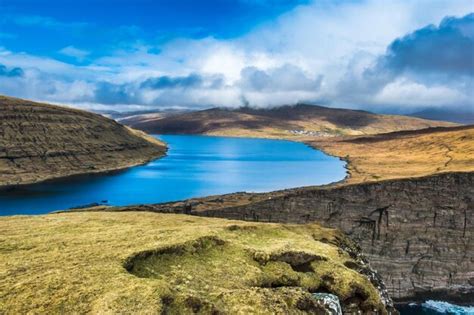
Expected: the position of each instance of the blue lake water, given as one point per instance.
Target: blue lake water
(195, 166)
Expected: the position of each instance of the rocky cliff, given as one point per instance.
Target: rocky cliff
(41, 141)
(417, 233)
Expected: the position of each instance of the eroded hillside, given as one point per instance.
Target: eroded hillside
(41, 141)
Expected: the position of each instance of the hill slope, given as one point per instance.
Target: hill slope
(41, 141)
(282, 122)
(403, 154)
(461, 116)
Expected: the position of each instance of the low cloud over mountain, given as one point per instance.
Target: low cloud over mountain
(392, 57)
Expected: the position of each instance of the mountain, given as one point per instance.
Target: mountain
(465, 116)
(118, 116)
(282, 121)
(42, 141)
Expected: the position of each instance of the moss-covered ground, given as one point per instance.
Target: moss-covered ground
(150, 263)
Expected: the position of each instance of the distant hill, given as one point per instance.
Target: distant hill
(281, 121)
(465, 116)
(137, 117)
(118, 116)
(41, 141)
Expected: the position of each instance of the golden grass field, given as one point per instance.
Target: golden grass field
(404, 155)
(75, 263)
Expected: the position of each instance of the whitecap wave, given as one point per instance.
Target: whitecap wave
(448, 308)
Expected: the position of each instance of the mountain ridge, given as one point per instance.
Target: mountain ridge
(283, 121)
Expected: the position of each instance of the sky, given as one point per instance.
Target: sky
(384, 56)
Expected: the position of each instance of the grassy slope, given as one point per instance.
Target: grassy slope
(404, 154)
(74, 263)
(278, 122)
(42, 141)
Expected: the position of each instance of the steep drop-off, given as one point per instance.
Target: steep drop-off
(417, 233)
(41, 141)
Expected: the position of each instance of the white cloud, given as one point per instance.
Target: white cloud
(318, 51)
(72, 51)
(406, 93)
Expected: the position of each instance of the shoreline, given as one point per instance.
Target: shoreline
(104, 171)
(53, 178)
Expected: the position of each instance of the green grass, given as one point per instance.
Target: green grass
(150, 263)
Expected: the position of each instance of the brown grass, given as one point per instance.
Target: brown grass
(42, 141)
(404, 154)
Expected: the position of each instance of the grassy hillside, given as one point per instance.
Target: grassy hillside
(41, 141)
(404, 154)
(150, 263)
(283, 121)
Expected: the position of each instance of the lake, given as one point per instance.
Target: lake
(195, 166)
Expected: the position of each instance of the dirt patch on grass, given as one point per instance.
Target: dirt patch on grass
(156, 263)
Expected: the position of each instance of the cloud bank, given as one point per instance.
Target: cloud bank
(390, 56)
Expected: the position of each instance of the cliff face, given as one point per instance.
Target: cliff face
(42, 141)
(417, 233)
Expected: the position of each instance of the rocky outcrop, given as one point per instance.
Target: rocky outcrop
(41, 141)
(417, 233)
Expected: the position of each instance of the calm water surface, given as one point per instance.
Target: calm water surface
(195, 166)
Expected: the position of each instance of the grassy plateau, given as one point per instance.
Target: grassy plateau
(150, 263)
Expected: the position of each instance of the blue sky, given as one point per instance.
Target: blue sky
(391, 56)
(101, 26)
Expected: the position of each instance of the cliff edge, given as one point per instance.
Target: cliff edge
(417, 233)
(150, 263)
